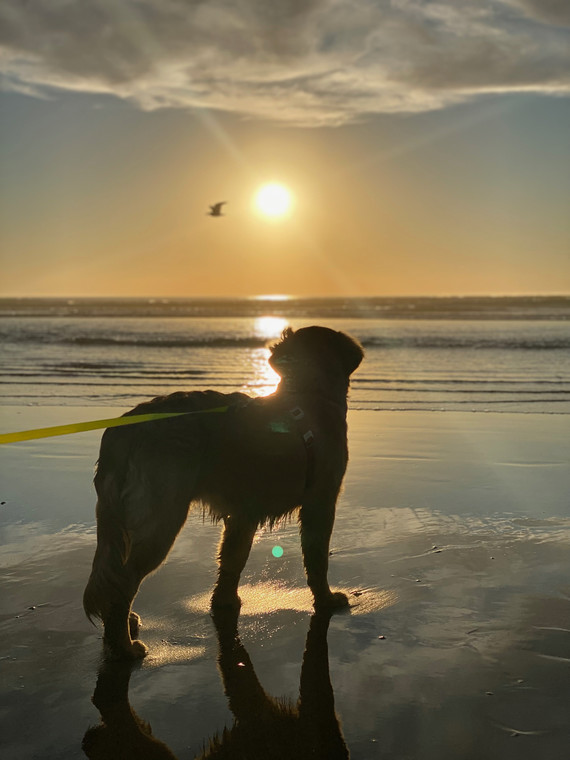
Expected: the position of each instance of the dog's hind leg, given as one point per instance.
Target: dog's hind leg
(124, 557)
(110, 591)
(233, 553)
(317, 519)
(149, 547)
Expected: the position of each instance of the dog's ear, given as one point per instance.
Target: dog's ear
(350, 351)
(282, 356)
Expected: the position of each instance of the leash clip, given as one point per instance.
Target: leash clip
(308, 437)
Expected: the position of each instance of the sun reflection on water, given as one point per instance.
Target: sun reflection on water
(266, 598)
(167, 653)
(269, 327)
(264, 380)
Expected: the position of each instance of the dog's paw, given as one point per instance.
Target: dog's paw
(134, 624)
(222, 601)
(334, 601)
(138, 650)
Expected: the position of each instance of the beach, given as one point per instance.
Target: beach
(451, 540)
(225, 228)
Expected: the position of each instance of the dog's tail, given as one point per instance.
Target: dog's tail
(110, 581)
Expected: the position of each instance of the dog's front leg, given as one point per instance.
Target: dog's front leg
(234, 550)
(317, 519)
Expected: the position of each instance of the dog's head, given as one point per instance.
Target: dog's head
(316, 358)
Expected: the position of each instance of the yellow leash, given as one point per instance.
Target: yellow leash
(80, 427)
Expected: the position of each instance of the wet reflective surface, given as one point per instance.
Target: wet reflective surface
(77, 355)
(263, 726)
(452, 540)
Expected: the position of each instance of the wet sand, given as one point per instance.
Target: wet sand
(452, 539)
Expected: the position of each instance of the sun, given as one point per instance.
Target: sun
(273, 200)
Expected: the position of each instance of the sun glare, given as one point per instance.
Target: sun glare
(273, 200)
(269, 327)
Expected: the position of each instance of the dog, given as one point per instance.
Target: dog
(248, 461)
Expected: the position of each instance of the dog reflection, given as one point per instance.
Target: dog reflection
(264, 727)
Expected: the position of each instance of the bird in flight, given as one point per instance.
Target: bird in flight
(216, 209)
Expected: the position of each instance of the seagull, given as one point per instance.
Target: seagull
(216, 209)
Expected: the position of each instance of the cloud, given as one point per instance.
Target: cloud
(550, 11)
(303, 62)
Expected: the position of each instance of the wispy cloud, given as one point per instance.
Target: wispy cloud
(305, 62)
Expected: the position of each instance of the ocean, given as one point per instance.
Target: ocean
(495, 354)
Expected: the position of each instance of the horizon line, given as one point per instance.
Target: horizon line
(283, 297)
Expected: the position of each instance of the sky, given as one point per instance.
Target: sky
(425, 145)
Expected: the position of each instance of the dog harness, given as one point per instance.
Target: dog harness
(297, 413)
(284, 426)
